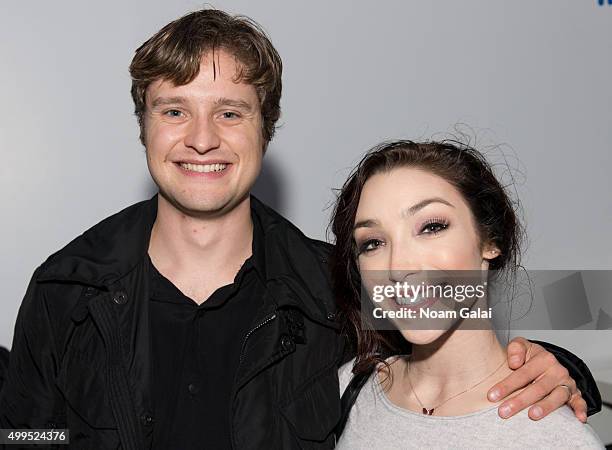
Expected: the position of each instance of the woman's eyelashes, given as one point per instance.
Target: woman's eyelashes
(433, 226)
(430, 227)
(368, 245)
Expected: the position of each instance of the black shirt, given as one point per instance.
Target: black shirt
(195, 354)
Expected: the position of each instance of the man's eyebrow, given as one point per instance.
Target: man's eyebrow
(161, 101)
(422, 204)
(241, 104)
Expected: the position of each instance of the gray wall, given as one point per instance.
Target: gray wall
(532, 75)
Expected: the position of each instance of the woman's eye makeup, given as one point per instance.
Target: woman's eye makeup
(368, 245)
(433, 226)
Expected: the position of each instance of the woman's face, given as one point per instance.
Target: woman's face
(409, 225)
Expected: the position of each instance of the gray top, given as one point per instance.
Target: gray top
(376, 423)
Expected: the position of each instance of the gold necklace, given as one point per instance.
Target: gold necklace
(428, 411)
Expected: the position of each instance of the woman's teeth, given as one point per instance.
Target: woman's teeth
(203, 168)
(410, 300)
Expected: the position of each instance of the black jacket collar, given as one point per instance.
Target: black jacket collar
(295, 266)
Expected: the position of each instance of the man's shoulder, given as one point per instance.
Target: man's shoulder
(276, 224)
(111, 239)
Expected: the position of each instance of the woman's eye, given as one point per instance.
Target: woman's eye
(369, 245)
(434, 227)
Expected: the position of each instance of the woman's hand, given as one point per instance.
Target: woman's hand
(544, 380)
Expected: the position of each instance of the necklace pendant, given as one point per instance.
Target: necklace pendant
(428, 412)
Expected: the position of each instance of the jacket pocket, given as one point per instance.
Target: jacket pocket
(314, 409)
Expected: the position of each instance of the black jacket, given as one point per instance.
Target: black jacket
(80, 357)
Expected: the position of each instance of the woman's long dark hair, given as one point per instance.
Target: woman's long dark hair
(463, 167)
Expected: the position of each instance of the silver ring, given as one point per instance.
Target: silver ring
(569, 391)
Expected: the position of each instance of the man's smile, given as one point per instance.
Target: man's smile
(209, 169)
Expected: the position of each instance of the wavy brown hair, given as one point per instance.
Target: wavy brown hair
(465, 168)
(174, 54)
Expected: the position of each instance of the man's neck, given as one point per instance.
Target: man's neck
(200, 254)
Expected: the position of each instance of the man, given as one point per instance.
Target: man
(199, 318)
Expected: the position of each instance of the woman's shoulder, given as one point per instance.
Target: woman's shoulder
(561, 428)
(345, 373)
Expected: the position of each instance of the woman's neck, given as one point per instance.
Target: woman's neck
(462, 360)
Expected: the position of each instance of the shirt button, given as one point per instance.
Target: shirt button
(193, 388)
(287, 343)
(120, 297)
(147, 419)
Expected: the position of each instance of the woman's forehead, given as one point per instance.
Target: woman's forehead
(404, 187)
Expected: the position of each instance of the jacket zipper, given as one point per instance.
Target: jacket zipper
(270, 318)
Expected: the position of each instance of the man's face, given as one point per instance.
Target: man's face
(204, 139)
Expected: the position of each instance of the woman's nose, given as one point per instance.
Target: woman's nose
(402, 263)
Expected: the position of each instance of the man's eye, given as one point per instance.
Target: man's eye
(173, 113)
(230, 115)
(434, 227)
(370, 245)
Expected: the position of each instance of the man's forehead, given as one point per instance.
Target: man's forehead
(164, 92)
(218, 72)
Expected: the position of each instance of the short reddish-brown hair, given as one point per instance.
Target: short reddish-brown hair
(174, 54)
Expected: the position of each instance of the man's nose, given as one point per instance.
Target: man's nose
(202, 135)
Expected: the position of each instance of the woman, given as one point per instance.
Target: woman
(413, 213)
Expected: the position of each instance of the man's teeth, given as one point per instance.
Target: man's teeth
(202, 168)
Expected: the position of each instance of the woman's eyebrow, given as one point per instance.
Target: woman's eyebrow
(422, 204)
(368, 223)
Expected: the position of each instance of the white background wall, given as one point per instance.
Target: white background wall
(533, 75)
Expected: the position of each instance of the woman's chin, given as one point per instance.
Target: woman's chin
(422, 337)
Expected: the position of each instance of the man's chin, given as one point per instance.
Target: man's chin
(205, 206)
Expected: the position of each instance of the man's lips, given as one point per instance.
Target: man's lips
(211, 167)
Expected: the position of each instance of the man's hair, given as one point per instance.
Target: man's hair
(174, 54)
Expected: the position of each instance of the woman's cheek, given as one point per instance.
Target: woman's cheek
(377, 260)
(452, 256)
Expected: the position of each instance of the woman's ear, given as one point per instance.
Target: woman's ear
(490, 251)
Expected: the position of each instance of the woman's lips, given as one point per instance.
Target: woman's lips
(418, 303)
